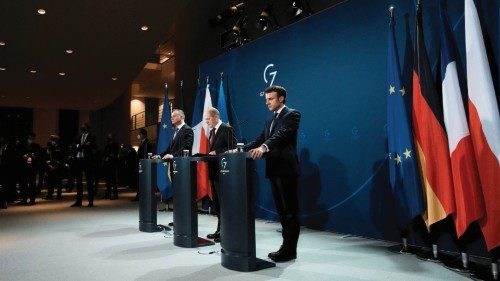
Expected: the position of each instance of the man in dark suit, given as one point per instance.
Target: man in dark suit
(145, 148)
(182, 138)
(278, 142)
(86, 163)
(31, 158)
(221, 139)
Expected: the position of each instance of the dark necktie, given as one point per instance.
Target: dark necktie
(273, 121)
(211, 136)
(175, 132)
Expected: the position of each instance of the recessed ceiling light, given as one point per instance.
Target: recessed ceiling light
(3, 68)
(41, 11)
(114, 78)
(69, 51)
(2, 43)
(144, 27)
(3, 96)
(28, 97)
(33, 71)
(62, 73)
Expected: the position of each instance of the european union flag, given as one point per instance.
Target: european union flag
(403, 169)
(164, 139)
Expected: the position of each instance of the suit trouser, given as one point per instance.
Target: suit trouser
(214, 185)
(285, 197)
(28, 184)
(89, 171)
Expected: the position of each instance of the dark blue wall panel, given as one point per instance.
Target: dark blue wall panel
(333, 65)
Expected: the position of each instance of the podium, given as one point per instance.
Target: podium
(237, 216)
(185, 210)
(147, 199)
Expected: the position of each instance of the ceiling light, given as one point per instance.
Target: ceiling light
(28, 97)
(267, 20)
(62, 73)
(114, 78)
(236, 36)
(299, 9)
(33, 71)
(41, 11)
(2, 43)
(3, 96)
(144, 27)
(69, 51)
(3, 68)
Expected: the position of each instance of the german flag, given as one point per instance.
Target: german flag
(430, 136)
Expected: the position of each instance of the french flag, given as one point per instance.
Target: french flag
(484, 121)
(469, 202)
(200, 142)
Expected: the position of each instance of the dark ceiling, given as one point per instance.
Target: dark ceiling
(106, 39)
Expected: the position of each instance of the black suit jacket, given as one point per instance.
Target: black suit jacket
(89, 149)
(183, 141)
(224, 140)
(144, 148)
(281, 160)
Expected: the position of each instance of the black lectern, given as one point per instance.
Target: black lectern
(237, 217)
(147, 199)
(185, 211)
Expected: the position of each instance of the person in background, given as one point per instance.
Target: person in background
(53, 168)
(31, 156)
(86, 163)
(110, 165)
(145, 148)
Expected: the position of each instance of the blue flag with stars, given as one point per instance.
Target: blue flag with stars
(163, 180)
(221, 103)
(403, 167)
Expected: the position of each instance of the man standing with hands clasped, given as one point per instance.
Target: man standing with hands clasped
(278, 142)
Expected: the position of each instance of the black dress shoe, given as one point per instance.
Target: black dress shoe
(273, 254)
(76, 204)
(171, 224)
(217, 239)
(135, 199)
(213, 235)
(114, 197)
(90, 205)
(284, 256)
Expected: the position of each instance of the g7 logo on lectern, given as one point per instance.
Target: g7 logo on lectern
(272, 74)
(223, 165)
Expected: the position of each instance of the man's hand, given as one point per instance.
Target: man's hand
(212, 152)
(258, 152)
(168, 156)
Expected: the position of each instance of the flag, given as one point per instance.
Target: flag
(200, 143)
(484, 123)
(221, 103)
(469, 201)
(403, 167)
(430, 136)
(163, 180)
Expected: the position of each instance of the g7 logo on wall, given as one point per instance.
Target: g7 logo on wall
(269, 73)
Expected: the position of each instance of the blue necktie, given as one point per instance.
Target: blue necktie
(175, 132)
(273, 121)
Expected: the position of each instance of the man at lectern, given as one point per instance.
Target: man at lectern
(221, 139)
(278, 142)
(183, 136)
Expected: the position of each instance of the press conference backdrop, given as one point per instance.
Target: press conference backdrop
(333, 65)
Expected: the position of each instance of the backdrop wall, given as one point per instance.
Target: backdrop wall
(333, 65)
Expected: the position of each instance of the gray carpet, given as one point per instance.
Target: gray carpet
(50, 241)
